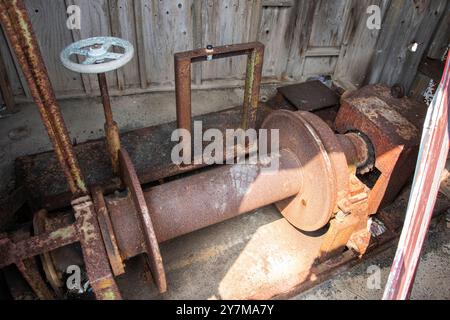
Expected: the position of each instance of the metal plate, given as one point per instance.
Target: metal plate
(310, 95)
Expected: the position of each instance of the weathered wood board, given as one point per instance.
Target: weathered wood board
(303, 38)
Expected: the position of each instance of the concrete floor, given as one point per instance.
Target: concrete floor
(23, 133)
(432, 280)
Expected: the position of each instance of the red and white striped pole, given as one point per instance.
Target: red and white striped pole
(431, 160)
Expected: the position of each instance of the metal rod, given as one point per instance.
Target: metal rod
(252, 86)
(111, 127)
(5, 87)
(38, 244)
(14, 41)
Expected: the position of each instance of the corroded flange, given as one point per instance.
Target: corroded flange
(131, 181)
(108, 235)
(312, 141)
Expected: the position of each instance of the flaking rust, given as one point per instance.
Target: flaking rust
(95, 257)
(316, 183)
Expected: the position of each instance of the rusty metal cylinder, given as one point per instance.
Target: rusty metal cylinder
(183, 98)
(195, 202)
(355, 148)
(105, 97)
(111, 127)
(113, 144)
(198, 201)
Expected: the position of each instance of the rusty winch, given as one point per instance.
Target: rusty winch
(328, 178)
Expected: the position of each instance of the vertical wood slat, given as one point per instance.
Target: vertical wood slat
(14, 73)
(276, 33)
(49, 25)
(76, 36)
(441, 39)
(359, 43)
(406, 22)
(328, 24)
(115, 25)
(160, 28)
(6, 92)
(197, 39)
(348, 25)
(302, 33)
(431, 17)
(140, 40)
(255, 20)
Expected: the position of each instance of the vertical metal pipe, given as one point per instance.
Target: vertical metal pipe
(111, 127)
(105, 97)
(42, 80)
(5, 87)
(252, 86)
(183, 97)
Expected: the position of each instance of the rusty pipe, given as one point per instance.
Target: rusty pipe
(177, 207)
(183, 92)
(14, 41)
(105, 98)
(183, 98)
(195, 202)
(43, 82)
(18, 29)
(355, 149)
(111, 127)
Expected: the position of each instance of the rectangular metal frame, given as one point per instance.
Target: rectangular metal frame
(183, 60)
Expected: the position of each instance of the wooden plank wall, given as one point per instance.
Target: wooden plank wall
(406, 22)
(303, 38)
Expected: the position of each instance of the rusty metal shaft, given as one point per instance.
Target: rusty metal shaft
(195, 202)
(111, 127)
(18, 29)
(355, 148)
(105, 97)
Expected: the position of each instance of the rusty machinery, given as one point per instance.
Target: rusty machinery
(333, 179)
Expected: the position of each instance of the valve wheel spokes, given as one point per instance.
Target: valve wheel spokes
(97, 55)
